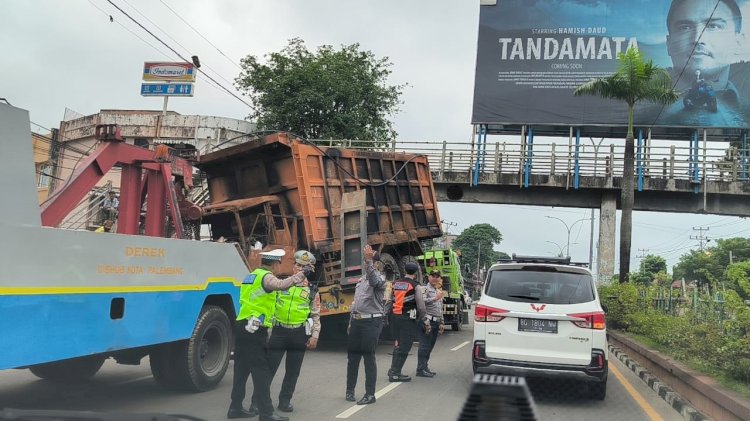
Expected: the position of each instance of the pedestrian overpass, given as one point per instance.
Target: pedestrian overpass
(705, 173)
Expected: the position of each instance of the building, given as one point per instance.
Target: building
(42, 163)
(141, 128)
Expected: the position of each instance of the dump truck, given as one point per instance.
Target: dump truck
(280, 191)
(447, 261)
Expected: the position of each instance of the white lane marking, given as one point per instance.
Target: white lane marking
(459, 346)
(354, 409)
(133, 380)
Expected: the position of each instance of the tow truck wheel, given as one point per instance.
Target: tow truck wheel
(198, 364)
(69, 371)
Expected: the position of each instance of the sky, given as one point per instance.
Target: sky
(59, 55)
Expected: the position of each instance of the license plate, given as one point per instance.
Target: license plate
(537, 325)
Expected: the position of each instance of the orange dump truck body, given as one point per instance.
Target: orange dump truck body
(301, 188)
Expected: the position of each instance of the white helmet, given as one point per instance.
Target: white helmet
(304, 257)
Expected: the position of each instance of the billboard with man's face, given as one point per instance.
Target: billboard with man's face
(532, 54)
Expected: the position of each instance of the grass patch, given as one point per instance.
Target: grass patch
(700, 366)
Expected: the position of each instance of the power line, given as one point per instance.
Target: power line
(179, 55)
(201, 35)
(173, 39)
(111, 19)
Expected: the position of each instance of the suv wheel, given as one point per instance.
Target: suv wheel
(598, 390)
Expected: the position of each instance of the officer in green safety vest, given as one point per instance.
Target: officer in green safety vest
(257, 307)
(296, 328)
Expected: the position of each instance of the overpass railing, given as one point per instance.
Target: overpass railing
(696, 160)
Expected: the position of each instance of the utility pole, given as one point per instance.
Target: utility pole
(448, 225)
(641, 254)
(702, 240)
(591, 234)
(479, 258)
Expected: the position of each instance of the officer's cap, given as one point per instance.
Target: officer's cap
(272, 256)
(434, 272)
(411, 268)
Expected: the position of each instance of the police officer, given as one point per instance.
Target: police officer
(408, 311)
(434, 320)
(297, 318)
(257, 305)
(365, 323)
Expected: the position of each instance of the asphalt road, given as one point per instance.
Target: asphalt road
(320, 391)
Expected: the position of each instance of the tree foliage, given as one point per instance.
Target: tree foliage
(712, 265)
(476, 243)
(653, 264)
(326, 94)
(738, 278)
(635, 80)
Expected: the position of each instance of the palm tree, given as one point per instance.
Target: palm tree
(634, 81)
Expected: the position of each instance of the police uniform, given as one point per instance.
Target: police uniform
(296, 309)
(408, 310)
(427, 338)
(365, 324)
(257, 307)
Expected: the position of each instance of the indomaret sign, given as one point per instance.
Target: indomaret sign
(173, 72)
(531, 55)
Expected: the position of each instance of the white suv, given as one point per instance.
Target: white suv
(541, 317)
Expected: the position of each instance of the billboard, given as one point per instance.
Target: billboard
(532, 54)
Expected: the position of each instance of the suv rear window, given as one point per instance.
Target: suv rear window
(540, 284)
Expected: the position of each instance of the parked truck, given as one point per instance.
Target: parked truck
(284, 192)
(447, 261)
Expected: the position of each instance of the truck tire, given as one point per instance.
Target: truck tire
(69, 371)
(407, 259)
(459, 321)
(391, 269)
(199, 363)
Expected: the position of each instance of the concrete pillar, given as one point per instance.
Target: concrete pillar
(607, 230)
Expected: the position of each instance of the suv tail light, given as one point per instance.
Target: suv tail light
(593, 320)
(483, 313)
(478, 352)
(598, 361)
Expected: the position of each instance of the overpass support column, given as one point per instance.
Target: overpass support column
(606, 252)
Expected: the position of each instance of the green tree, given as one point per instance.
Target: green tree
(653, 264)
(737, 247)
(501, 255)
(700, 266)
(327, 94)
(634, 81)
(476, 243)
(652, 268)
(738, 278)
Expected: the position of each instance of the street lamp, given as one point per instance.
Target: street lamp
(560, 248)
(568, 228)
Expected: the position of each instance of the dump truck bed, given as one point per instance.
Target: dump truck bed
(310, 180)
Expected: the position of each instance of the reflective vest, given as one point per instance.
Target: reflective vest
(293, 305)
(404, 296)
(254, 300)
